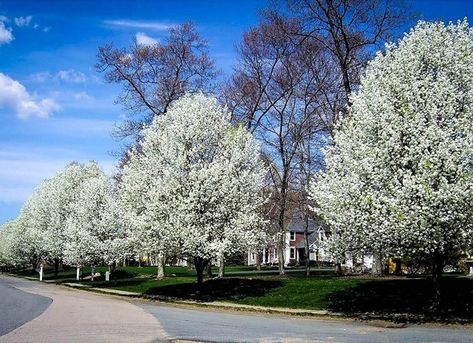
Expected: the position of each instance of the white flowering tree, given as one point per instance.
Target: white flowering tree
(399, 179)
(34, 219)
(194, 185)
(8, 242)
(21, 239)
(92, 229)
(62, 191)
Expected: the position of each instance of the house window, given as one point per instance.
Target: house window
(292, 254)
(292, 236)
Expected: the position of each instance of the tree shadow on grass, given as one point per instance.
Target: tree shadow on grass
(123, 283)
(217, 289)
(409, 296)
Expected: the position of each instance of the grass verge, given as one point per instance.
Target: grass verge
(398, 299)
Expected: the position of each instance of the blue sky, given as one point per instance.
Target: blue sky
(54, 107)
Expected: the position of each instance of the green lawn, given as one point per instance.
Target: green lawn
(382, 297)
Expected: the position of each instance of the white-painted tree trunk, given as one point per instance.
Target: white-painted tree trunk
(221, 265)
(41, 272)
(92, 275)
(161, 266)
(377, 268)
(78, 273)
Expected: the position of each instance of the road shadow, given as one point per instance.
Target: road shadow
(217, 289)
(414, 296)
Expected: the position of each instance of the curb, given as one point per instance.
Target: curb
(215, 304)
(393, 320)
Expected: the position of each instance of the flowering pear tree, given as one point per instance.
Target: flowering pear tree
(8, 242)
(34, 219)
(62, 191)
(92, 230)
(194, 185)
(399, 178)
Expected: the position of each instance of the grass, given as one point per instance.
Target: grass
(353, 296)
(296, 291)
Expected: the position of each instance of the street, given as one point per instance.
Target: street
(78, 316)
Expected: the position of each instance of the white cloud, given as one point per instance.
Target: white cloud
(83, 96)
(6, 35)
(139, 24)
(143, 39)
(42, 76)
(23, 21)
(71, 75)
(36, 26)
(15, 96)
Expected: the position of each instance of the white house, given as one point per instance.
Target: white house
(295, 250)
(295, 246)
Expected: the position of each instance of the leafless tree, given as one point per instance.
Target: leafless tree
(351, 30)
(292, 83)
(154, 76)
(273, 92)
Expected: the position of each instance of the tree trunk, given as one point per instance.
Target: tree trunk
(221, 265)
(282, 251)
(338, 269)
(437, 271)
(208, 269)
(377, 268)
(306, 244)
(161, 266)
(259, 257)
(199, 264)
(56, 267)
(92, 274)
(282, 214)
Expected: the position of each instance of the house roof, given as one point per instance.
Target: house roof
(297, 224)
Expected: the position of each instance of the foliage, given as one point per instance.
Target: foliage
(92, 228)
(399, 178)
(192, 188)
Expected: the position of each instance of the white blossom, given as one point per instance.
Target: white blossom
(193, 187)
(399, 176)
(92, 229)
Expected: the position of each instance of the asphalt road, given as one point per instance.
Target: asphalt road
(214, 326)
(18, 307)
(78, 316)
(83, 316)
